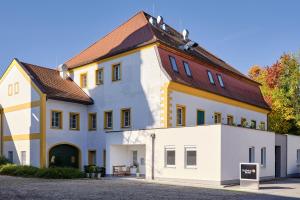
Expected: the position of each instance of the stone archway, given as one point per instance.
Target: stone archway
(64, 155)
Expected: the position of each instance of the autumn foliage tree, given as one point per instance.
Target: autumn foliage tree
(280, 87)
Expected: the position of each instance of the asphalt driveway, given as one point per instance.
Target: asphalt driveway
(30, 188)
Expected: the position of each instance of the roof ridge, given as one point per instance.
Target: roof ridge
(109, 33)
(26, 63)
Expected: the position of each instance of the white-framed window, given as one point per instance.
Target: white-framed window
(220, 80)
(180, 115)
(126, 118)
(190, 156)
(187, 68)
(170, 154)
(56, 119)
(83, 80)
(10, 156)
(251, 154)
(173, 63)
(108, 120)
(74, 122)
(116, 72)
(263, 157)
(23, 157)
(92, 121)
(210, 77)
(298, 156)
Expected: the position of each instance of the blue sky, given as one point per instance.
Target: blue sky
(242, 33)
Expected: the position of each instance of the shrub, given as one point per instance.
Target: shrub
(3, 160)
(59, 173)
(15, 170)
(8, 169)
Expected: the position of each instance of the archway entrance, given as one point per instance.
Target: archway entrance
(64, 155)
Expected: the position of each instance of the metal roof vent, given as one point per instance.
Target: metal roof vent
(163, 27)
(152, 21)
(185, 34)
(160, 20)
(63, 71)
(188, 46)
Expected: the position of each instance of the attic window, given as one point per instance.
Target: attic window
(210, 77)
(187, 68)
(220, 80)
(173, 63)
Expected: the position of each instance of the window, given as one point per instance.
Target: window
(135, 158)
(251, 155)
(10, 156)
(16, 88)
(180, 115)
(210, 77)
(74, 121)
(263, 156)
(262, 126)
(10, 90)
(23, 157)
(230, 120)
(220, 80)
(56, 119)
(200, 117)
(253, 124)
(108, 120)
(244, 122)
(83, 80)
(187, 68)
(170, 157)
(190, 157)
(92, 157)
(125, 118)
(99, 76)
(116, 72)
(92, 121)
(173, 63)
(217, 118)
(298, 156)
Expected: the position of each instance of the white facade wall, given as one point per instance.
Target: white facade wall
(235, 146)
(293, 167)
(193, 103)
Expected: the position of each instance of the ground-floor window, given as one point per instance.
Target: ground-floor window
(92, 157)
(10, 156)
(190, 157)
(170, 157)
(263, 156)
(23, 157)
(298, 156)
(135, 158)
(251, 155)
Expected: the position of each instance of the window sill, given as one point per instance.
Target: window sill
(92, 130)
(59, 128)
(170, 166)
(74, 129)
(263, 166)
(191, 167)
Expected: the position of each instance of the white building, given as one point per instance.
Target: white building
(143, 94)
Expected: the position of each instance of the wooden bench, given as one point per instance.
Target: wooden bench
(121, 170)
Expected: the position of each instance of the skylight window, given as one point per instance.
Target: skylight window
(187, 68)
(210, 77)
(220, 80)
(173, 63)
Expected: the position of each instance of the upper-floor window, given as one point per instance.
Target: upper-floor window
(253, 124)
(116, 72)
(92, 121)
(217, 118)
(229, 119)
(187, 68)
(56, 119)
(74, 121)
(173, 63)
(83, 80)
(262, 126)
(13, 89)
(125, 118)
(99, 76)
(220, 80)
(180, 115)
(108, 120)
(210, 77)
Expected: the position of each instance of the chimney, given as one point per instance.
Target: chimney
(63, 71)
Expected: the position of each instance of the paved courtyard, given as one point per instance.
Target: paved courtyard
(28, 188)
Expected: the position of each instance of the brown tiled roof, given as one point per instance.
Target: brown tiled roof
(54, 86)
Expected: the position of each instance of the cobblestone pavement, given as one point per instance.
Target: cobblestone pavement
(29, 188)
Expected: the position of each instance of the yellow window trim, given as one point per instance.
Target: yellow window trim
(219, 114)
(10, 90)
(122, 111)
(113, 66)
(105, 119)
(61, 119)
(207, 95)
(81, 79)
(230, 116)
(77, 122)
(197, 116)
(97, 81)
(183, 115)
(90, 121)
(16, 88)
(17, 137)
